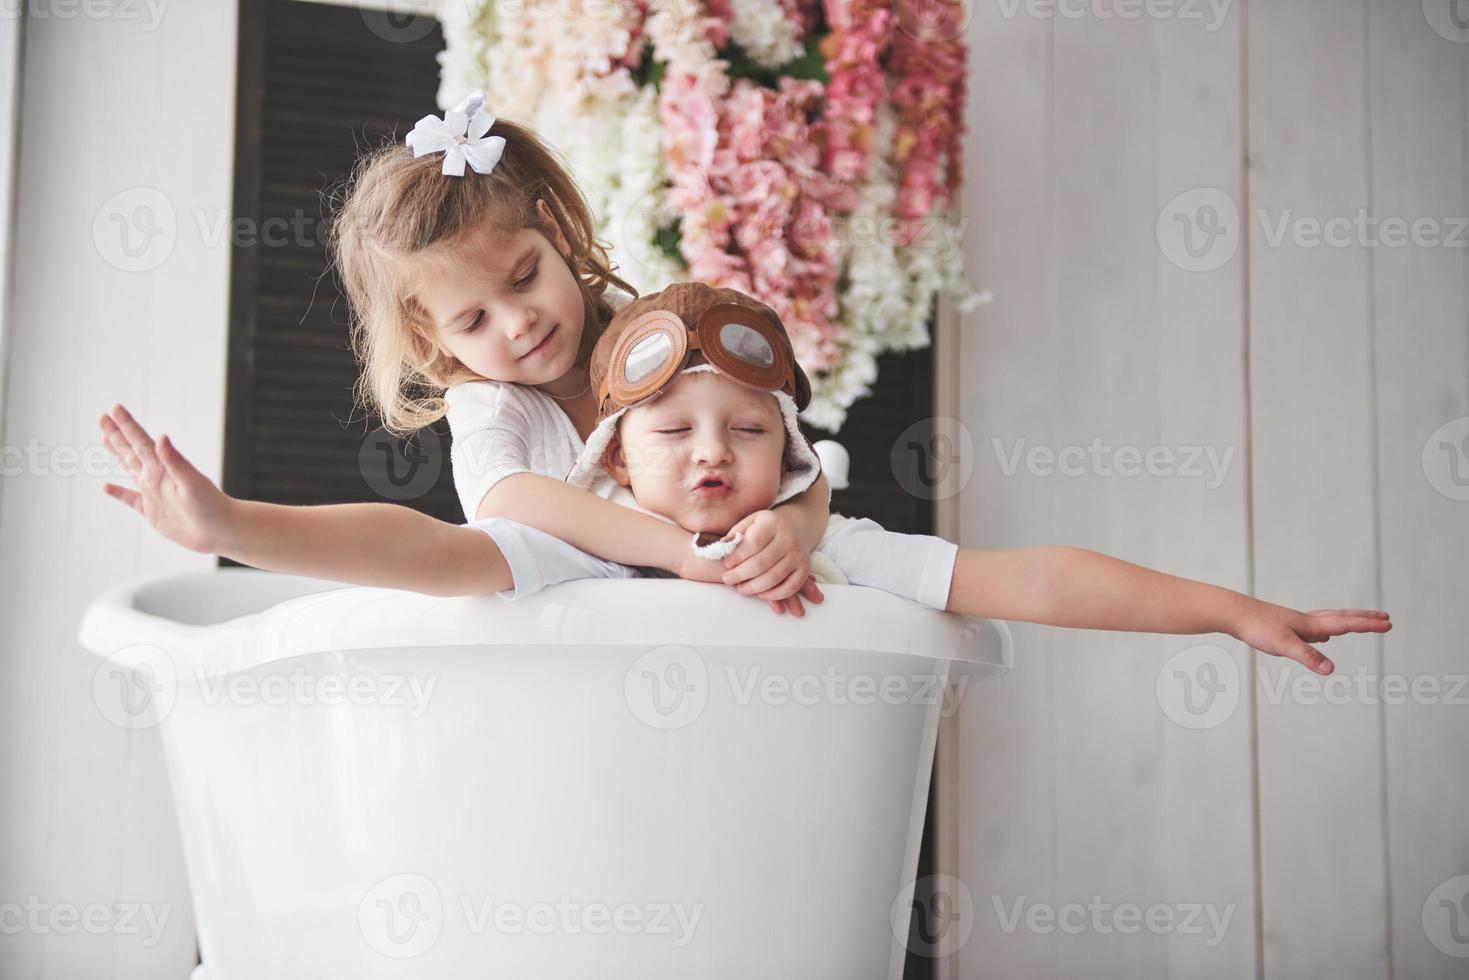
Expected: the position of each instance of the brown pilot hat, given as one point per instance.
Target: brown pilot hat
(691, 326)
(705, 314)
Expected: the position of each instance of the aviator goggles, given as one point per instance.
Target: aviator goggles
(739, 342)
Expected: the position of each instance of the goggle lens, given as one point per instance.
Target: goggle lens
(648, 356)
(746, 344)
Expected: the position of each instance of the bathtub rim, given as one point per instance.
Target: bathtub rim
(322, 615)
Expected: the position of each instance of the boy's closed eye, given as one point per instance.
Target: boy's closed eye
(676, 430)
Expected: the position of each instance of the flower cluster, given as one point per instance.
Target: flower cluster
(806, 152)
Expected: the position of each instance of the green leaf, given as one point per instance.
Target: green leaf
(667, 240)
(810, 65)
(650, 71)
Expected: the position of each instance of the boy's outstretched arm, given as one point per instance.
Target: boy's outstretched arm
(1062, 586)
(384, 545)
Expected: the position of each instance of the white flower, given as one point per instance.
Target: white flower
(765, 31)
(460, 136)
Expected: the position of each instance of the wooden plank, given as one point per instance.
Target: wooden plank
(89, 818)
(10, 47)
(1321, 784)
(1074, 783)
(1112, 804)
(1418, 85)
(1005, 739)
(1207, 813)
(1108, 796)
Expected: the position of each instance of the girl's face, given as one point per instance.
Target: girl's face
(512, 315)
(703, 429)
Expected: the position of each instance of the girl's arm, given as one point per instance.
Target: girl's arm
(774, 553)
(383, 545)
(620, 534)
(808, 511)
(617, 533)
(595, 525)
(386, 545)
(1061, 586)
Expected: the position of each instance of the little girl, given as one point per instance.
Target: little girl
(477, 296)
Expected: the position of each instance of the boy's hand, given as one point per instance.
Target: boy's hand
(177, 500)
(770, 562)
(1284, 632)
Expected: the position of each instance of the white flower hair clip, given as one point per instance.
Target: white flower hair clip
(460, 136)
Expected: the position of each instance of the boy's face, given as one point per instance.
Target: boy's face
(702, 426)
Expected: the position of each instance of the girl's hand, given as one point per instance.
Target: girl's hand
(697, 569)
(1284, 632)
(177, 500)
(770, 562)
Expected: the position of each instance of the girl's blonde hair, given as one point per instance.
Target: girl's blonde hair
(395, 206)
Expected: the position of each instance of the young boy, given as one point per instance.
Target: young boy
(698, 391)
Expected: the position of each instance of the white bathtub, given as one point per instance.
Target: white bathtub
(584, 783)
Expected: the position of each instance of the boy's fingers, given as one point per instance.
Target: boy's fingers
(811, 590)
(1314, 659)
(1337, 624)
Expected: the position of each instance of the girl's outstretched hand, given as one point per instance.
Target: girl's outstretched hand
(177, 500)
(1284, 632)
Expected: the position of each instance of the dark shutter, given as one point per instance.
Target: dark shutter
(901, 397)
(318, 83)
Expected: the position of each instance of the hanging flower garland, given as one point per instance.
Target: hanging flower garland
(804, 151)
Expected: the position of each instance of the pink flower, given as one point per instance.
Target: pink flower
(760, 175)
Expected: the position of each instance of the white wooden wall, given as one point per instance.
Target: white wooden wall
(111, 99)
(1321, 825)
